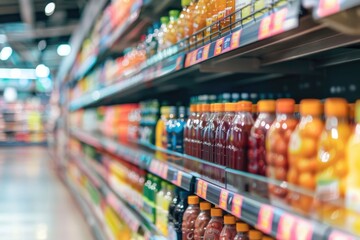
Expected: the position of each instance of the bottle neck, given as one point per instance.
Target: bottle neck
(334, 121)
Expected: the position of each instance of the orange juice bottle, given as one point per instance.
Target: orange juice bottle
(189, 18)
(230, 8)
(332, 166)
(180, 32)
(221, 8)
(303, 152)
(199, 19)
(170, 36)
(352, 198)
(211, 11)
(215, 12)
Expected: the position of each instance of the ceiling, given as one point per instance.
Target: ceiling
(25, 24)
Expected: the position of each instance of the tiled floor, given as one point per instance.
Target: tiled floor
(34, 204)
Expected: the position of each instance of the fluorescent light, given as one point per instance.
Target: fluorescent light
(49, 9)
(5, 53)
(63, 50)
(42, 71)
(17, 73)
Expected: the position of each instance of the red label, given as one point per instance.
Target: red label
(278, 21)
(223, 199)
(335, 235)
(235, 39)
(303, 230)
(265, 27)
(179, 177)
(285, 227)
(206, 52)
(328, 7)
(265, 218)
(236, 205)
(218, 46)
(199, 188)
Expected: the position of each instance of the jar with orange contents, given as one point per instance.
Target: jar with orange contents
(303, 153)
(277, 142)
(331, 163)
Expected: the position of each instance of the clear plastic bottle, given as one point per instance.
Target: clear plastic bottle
(215, 225)
(199, 131)
(237, 140)
(179, 214)
(170, 36)
(202, 220)
(171, 216)
(180, 33)
(229, 229)
(242, 230)
(188, 130)
(162, 32)
(195, 124)
(190, 215)
(199, 20)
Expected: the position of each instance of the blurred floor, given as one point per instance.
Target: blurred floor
(34, 204)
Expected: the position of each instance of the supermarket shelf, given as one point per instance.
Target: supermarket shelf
(133, 217)
(22, 144)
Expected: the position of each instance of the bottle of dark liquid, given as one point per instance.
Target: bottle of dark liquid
(171, 221)
(179, 213)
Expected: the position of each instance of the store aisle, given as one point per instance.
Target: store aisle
(34, 204)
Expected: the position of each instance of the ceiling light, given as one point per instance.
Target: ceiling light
(63, 50)
(3, 38)
(49, 9)
(5, 53)
(42, 71)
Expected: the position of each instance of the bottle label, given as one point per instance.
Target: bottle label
(353, 198)
(212, 234)
(328, 190)
(209, 21)
(221, 14)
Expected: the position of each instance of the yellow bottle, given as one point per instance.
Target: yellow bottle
(161, 136)
(332, 166)
(352, 198)
(170, 36)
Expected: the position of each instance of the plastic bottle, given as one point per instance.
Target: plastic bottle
(229, 229)
(303, 152)
(170, 132)
(352, 197)
(188, 130)
(211, 14)
(277, 142)
(154, 189)
(202, 220)
(238, 137)
(230, 8)
(171, 216)
(168, 196)
(331, 165)
(159, 198)
(171, 35)
(195, 124)
(189, 26)
(242, 230)
(221, 11)
(199, 21)
(179, 213)
(206, 140)
(162, 32)
(181, 24)
(199, 131)
(190, 215)
(221, 133)
(215, 225)
(178, 131)
(255, 235)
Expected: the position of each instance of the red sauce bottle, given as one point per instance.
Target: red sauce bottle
(202, 220)
(238, 137)
(215, 225)
(199, 131)
(221, 133)
(190, 215)
(195, 124)
(242, 230)
(229, 229)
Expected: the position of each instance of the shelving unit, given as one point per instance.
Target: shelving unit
(288, 43)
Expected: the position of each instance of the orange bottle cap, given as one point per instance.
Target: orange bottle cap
(193, 200)
(255, 235)
(230, 107)
(216, 212)
(357, 111)
(267, 238)
(285, 105)
(205, 206)
(351, 110)
(311, 107)
(336, 107)
(242, 227)
(229, 220)
(212, 107)
(244, 106)
(198, 107)
(254, 108)
(192, 108)
(205, 107)
(266, 106)
(219, 107)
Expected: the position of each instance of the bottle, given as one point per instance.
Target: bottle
(159, 202)
(200, 14)
(180, 33)
(162, 32)
(189, 26)
(277, 142)
(215, 225)
(205, 137)
(188, 130)
(221, 133)
(190, 215)
(210, 16)
(331, 164)
(146, 196)
(170, 132)
(202, 220)
(195, 124)
(242, 230)
(161, 135)
(171, 37)
(178, 131)
(199, 131)
(303, 153)
(238, 137)
(255, 235)
(179, 213)
(229, 229)
(267, 238)
(352, 199)
(168, 196)
(220, 6)
(230, 8)
(171, 216)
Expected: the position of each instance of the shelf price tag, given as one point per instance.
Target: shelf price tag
(164, 172)
(285, 227)
(278, 21)
(199, 188)
(235, 39)
(223, 199)
(328, 7)
(236, 205)
(218, 46)
(206, 51)
(204, 189)
(265, 27)
(179, 178)
(303, 230)
(265, 218)
(179, 63)
(336, 235)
